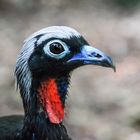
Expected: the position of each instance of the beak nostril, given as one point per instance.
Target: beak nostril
(95, 55)
(98, 56)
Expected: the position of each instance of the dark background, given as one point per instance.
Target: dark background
(102, 105)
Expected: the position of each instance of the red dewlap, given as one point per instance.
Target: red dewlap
(50, 100)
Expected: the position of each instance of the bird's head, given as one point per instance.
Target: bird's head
(44, 64)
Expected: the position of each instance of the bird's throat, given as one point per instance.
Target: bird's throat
(51, 99)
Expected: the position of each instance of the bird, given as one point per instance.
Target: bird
(42, 72)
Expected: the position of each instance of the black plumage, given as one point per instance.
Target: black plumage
(43, 71)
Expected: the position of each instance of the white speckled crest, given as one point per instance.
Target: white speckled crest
(54, 32)
(23, 74)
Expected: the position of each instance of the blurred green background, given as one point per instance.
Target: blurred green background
(102, 105)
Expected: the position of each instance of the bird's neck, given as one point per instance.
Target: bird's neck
(38, 127)
(45, 111)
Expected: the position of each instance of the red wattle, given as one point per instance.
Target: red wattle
(50, 100)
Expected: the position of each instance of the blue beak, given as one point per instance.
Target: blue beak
(92, 56)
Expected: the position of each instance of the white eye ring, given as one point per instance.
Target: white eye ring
(59, 55)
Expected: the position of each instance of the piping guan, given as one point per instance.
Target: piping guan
(42, 72)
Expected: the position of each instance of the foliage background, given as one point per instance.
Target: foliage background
(102, 105)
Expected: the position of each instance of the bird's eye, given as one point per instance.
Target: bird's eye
(56, 48)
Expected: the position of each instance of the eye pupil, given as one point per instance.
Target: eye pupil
(56, 48)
